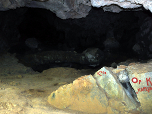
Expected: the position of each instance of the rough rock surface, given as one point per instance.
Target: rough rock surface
(62, 8)
(123, 3)
(9, 61)
(75, 8)
(104, 93)
(80, 95)
(23, 91)
(141, 80)
(91, 57)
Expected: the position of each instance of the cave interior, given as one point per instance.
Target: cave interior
(121, 37)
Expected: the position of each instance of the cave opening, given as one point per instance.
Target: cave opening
(99, 39)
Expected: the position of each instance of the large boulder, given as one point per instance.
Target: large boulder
(141, 80)
(83, 95)
(126, 89)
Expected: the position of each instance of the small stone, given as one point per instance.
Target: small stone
(32, 43)
(14, 83)
(19, 76)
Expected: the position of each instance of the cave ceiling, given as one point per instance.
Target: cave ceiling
(76, 8)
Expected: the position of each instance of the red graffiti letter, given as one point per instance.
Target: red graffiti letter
(149, 88)
(139, 81)
(149, 81)
(143, 89)
(134, 80)
(99, 73)
(138, 91)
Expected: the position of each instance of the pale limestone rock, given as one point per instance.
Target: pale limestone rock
(142, 86)
(117, 94)
(83, 95)
(101, 93)
(105, 92)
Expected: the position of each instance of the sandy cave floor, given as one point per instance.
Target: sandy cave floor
(24, 91)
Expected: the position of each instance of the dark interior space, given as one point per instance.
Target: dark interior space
(75, 56)
(41, 40)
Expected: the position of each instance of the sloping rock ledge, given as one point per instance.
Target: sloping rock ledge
(126, 89)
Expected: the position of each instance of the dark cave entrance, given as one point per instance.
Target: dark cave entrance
(36, 25)
(117, 38)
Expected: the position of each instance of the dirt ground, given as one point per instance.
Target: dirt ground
(24, 91)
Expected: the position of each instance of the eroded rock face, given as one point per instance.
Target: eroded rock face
(75, 8)
(90, 57)
(80, 95)
(123, 4)
(62, 8)
(141, 80)
(108, 91)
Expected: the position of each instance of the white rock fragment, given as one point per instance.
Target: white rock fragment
(123, 76)
(147, 4)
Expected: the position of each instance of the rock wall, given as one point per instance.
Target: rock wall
(75, 8)
(62, 8)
